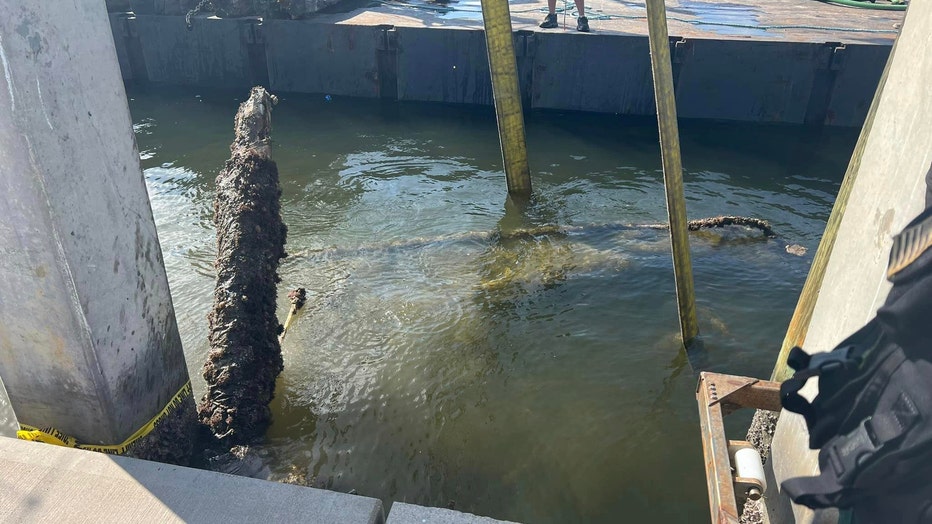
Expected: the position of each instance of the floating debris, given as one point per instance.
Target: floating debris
(297, 297)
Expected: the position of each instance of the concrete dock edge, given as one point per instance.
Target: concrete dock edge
(44, 483)
(402, 513)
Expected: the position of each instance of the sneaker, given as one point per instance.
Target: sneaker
(582, 24)
(550, 21)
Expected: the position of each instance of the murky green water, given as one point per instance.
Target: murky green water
(534, 379)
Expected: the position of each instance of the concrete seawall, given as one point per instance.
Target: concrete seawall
(794, 81)
(44, 483)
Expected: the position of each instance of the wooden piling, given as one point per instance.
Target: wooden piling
(672, 167)
(496, 18)
(245, 355)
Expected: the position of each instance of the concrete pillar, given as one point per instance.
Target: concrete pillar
(890, 163)
(88, 339)
(8, 423)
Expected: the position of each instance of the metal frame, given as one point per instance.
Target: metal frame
(719, 395)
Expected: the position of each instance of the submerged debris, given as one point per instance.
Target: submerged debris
(240, 460)
(796, 249)
(551, 231)
(722, 221)
(730, 220)
(298, 297)
(245, 355)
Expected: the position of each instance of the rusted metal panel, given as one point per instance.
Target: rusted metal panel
(858, 70)
(600, 73)
(213, 52)
(450, 66)
(746, 80)
(715, 452)
(310, 57)
(119, 28)
(718, 395)
(724, 78)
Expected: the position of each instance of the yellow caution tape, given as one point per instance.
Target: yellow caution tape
(53, 436)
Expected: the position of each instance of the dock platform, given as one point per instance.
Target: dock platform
(782, 61)
(776, 20)
(45, 483)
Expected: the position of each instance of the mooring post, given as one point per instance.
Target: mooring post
(496, 18)
(88, 340)
(672, 167)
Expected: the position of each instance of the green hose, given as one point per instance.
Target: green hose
(867, 5)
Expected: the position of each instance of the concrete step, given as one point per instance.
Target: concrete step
(402, 513)
(45, 483)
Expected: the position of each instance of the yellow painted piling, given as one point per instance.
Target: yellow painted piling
(672, 167)
(504, 68)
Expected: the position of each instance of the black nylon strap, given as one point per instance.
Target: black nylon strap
(790, 397)
(823, 491)
(798, 359)
(879, 380)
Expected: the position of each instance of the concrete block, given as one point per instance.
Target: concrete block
(309, 57)
(88, 339)
(402, 513)
(8, 422)
(214, 53)
(44, 483)
(600, 73)
(447, 65)
(757, 81)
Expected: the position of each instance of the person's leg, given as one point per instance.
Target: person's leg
(582, 23)
(580, 6)
(550, 21)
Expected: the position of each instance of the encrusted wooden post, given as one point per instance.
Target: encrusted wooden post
(245, 356)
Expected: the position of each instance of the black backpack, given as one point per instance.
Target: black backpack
(872, 417)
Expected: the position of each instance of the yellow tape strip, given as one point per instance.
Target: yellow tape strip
(53, 436)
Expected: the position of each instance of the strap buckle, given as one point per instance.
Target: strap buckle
(830, 361)
(848, 452)
(851, 450)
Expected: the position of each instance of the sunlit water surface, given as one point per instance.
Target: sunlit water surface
(535, 379)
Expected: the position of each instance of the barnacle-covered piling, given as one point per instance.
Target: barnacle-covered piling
(245, 355)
